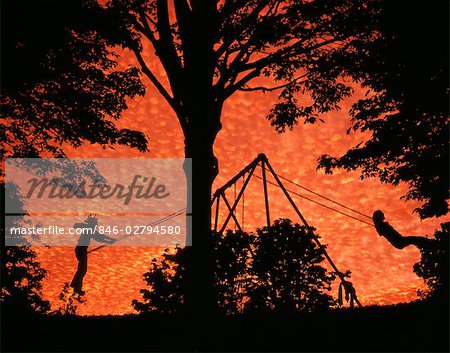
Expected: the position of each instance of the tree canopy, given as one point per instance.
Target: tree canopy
(224, 45)
(407, 104)
(60, 83)
(60, 86)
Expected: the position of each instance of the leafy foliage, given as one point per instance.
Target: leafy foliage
(434, 264)
(60, 81)
(407, 111)
(69, 301)
(220, 47)
(275, 269)
(287, 263)
(166, 280)
(21, 274)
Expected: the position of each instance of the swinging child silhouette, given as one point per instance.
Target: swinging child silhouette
(81, 250)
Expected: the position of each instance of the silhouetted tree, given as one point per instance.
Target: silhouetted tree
(21, 274)
(434, 264)
(407, 116)
(407, 111)
(166, 280)
(60, 84)
(275, 269)
(211, 49)
(287, 263)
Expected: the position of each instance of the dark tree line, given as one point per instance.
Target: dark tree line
(406, 110)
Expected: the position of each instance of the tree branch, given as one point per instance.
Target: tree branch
(165, 48)
(155, 81)
(145, 29)
(251, 17)
(286, 51)
(239, 63)
(233, 88)
(183, 14)
(271, 89)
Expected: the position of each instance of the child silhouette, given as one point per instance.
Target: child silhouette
(89, 232)
(397, 240)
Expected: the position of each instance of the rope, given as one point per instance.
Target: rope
(319, 203)
(159, 221)
(324, 197)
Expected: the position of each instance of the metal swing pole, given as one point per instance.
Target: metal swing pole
(266, 195)
(291, 201)
(243, 206)
(216, 217)
(231, 214)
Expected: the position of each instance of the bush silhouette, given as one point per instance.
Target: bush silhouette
(287, 263)
(275, 269)
(434, 265)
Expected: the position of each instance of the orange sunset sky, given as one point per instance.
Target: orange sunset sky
(380, 273)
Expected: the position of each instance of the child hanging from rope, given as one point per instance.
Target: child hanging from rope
(89, 232)
(384, 229)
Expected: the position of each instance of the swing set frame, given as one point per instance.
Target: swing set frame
(246, 174)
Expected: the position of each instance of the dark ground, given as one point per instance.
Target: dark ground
(407, 327)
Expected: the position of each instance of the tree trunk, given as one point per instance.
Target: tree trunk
(200, 295)
(199, 115)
